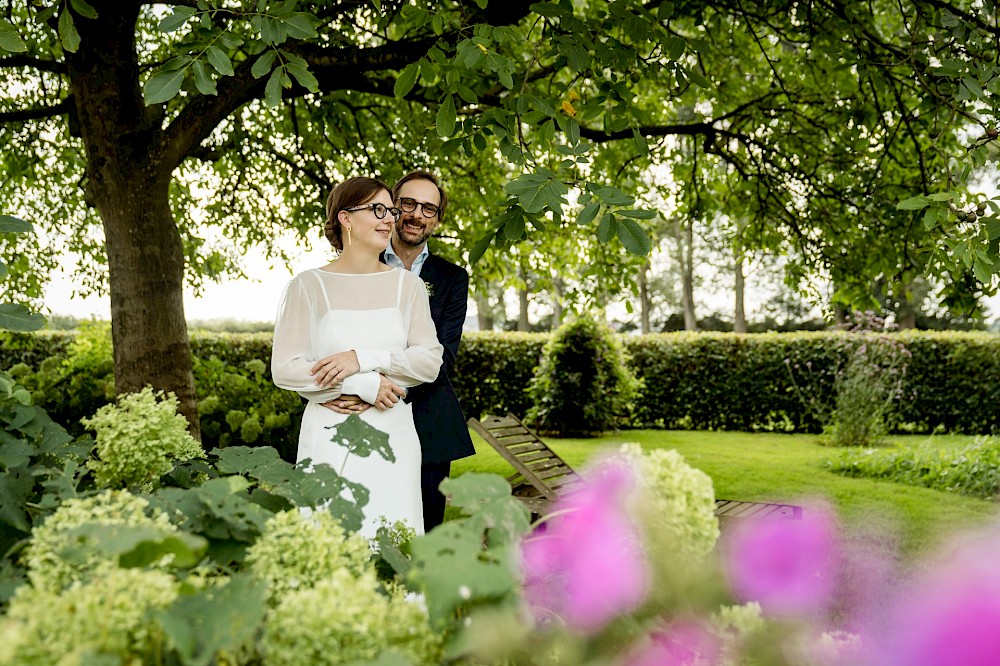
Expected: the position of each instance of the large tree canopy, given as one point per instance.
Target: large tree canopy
(150, 138)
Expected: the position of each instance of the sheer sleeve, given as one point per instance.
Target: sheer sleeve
(292, 355)
(420, 362)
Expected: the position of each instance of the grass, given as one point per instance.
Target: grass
(779, 467)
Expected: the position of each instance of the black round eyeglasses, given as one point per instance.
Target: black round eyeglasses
(379, 209)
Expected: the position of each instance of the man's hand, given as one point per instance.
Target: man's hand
(347, 404)
(388, 393)
(335, 368)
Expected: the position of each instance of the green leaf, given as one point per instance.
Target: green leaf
(698, 78)
(13, 225)
(406, 80)
(931, 217)
(219, 618)
(303, 76)
(550, 9)
(15, 317)
(300, 26)
(272, 91)
(453, 570)
(633, 237)
(479, 248)
(163, 86)
(10, 40)
(83, 9)
(608, 227)
(674, 47)
(176, 20)
(637, 214)
(202, 80)
(588, 213)
(537, 191)
(220, 61)
(262, 65)
(68, 35)
(446, 117)
(16, 488)
(913, 203)
(361, 438)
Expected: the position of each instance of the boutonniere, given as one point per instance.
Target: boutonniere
(430, 288)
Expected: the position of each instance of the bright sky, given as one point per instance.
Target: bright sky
(243, 300)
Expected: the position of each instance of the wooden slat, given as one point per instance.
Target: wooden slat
(537, 455)
(535, 445)
(500, 422)
(509, 431)
(514, 440)
(555, 471)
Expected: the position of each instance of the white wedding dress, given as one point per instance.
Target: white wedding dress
(386, 319)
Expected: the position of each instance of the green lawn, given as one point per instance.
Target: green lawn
(778, 467)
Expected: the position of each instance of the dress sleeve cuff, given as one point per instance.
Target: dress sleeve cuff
(373, 359)
(365, 385)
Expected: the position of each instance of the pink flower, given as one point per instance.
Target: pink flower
(788, 566)
(950, 616)
(587, 565)
(682, 643)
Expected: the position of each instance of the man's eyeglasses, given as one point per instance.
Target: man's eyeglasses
(427, 209)
(379, 209)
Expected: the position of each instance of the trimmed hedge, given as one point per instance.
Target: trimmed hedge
(722, 381)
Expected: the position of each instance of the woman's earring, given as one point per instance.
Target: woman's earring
(349, 236)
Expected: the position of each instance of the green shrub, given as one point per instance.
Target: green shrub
(238, 404)
(583, 385)
(973, 469)
(493, 370)
(139, 439)
(75, 385)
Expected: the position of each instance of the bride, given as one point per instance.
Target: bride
(357, 326)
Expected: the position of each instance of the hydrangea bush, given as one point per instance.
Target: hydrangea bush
(681, 500)
(344, 619)
(298, 550)
(224, 566)
(51, 562)
(106, 616)
(139, 440)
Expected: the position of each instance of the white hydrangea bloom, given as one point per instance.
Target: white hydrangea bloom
(103, 616)
(297, 550)
(47, 570)
(343, 619)
(139, 440)
(683, 496)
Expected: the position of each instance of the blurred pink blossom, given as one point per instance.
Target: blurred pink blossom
(950, 616)
(587, 564)
(788, 566)
(682, 643)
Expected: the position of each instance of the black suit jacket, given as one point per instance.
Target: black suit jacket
(444, 435)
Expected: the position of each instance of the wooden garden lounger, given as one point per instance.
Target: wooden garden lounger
(541, 476)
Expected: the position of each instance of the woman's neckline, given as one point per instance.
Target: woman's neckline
(388, 269)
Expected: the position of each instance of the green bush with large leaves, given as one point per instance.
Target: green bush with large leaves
(216, 563)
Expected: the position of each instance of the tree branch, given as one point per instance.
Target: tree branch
(60, 108)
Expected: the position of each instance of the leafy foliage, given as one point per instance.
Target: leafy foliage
(973, 469)
(583, 385)
(139, 440)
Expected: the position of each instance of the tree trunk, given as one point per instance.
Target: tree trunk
(522, 310)
(128, 183)
(644, 301)
(906, 316)
(484, 313)
(558, 288)
(685, 255)
(739, 311)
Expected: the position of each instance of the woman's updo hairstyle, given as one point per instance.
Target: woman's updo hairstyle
(352, 192)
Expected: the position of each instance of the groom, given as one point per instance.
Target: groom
(438, 417)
